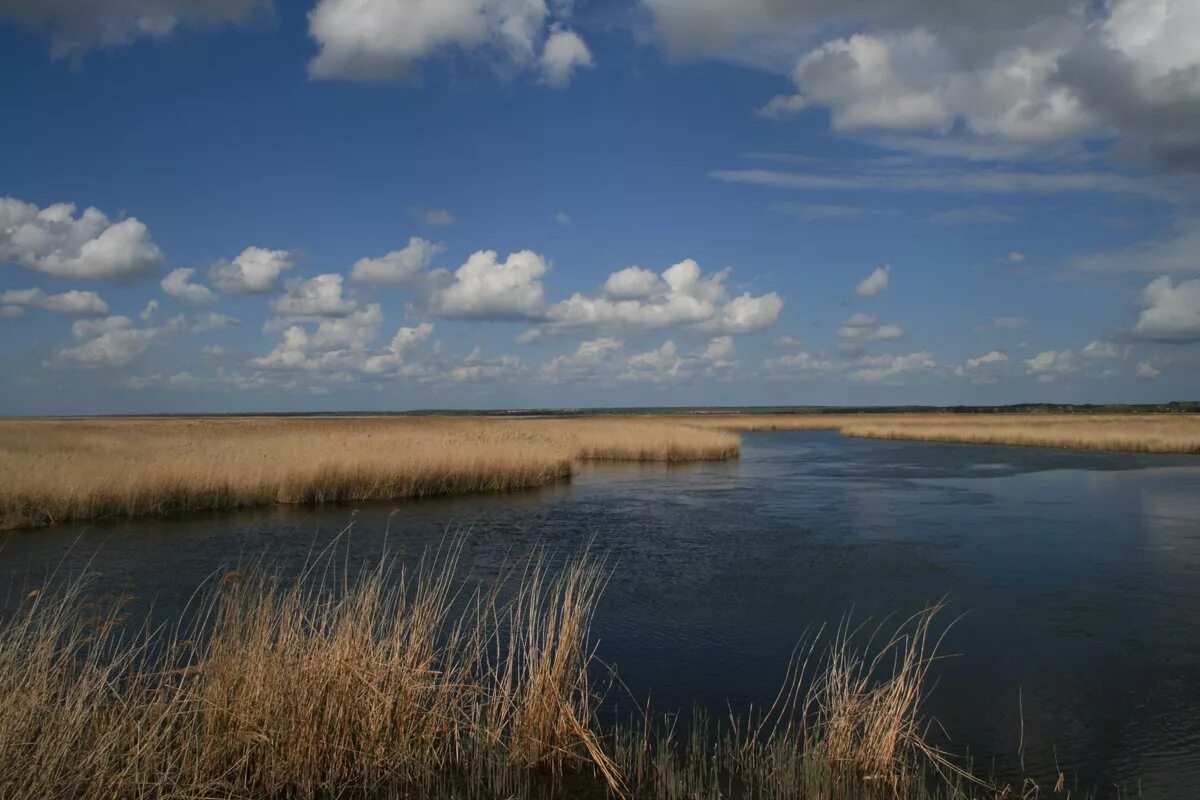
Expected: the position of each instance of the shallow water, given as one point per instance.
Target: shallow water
(1076, 575)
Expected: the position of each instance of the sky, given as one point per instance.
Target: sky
(316, 205)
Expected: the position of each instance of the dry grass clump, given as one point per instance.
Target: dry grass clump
(58, 471)
(397, 684)
(316, 689)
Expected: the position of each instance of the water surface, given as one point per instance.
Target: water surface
(1076, 576)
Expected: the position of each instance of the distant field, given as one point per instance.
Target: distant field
(54, 471)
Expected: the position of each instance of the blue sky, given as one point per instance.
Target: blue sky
(225, 205)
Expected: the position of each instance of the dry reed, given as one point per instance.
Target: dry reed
(58, 471)
(1144, 433)
(396, 684)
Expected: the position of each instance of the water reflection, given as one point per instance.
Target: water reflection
(1078, 574)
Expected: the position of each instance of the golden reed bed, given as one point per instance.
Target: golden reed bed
(1140, 433)
(54, 471)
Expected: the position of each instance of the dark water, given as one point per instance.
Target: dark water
(1077, 575)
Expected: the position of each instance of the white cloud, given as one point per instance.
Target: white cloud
(255, 269)
(1019, 71)
(1100, 350)
(801, 363)
(437, 216)
(862, 329)
(632, 282)
(383, 39)
(878, 369)
(337, 344)
(1171, 312)
(319, 296)
(1147, 370)
(592, 359)
(54, 241)
(393, 358)
(564, 52)
(476, 367)
(107, 342)
(874, 283)
(487, 288)
(177, 284)
(150, 309)
(74, 27)
(985, 368)
(604, 359)
(562, 218)
(635, 297)
(399, 267)
(72, 302)
(1047, 365)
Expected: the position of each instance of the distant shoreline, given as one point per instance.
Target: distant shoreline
(1174, 407)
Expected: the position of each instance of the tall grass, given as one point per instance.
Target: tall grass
(58, 471)
(412, 684)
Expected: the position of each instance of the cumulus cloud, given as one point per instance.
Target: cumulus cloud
(255, 269)
(476, 367)
(178, 284)
(985, 368)
(55, 241)
(801, 363)
(1170, 312)
(72, 302)
(1048, 365)
(874, 283)
(862, 329)
(336, 344)
(404, 341)
(107, 342)
(593, 358)
(74, 27)
(878, 369)
(320, 296)
(604, 359)
(385, 39)
(1147, 370)
(682, 296)
(1100, 350)
(564, 52)
(399, 267)
(487, 288)
(1020, 71)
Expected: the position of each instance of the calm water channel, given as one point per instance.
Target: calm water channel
(1077, 576)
